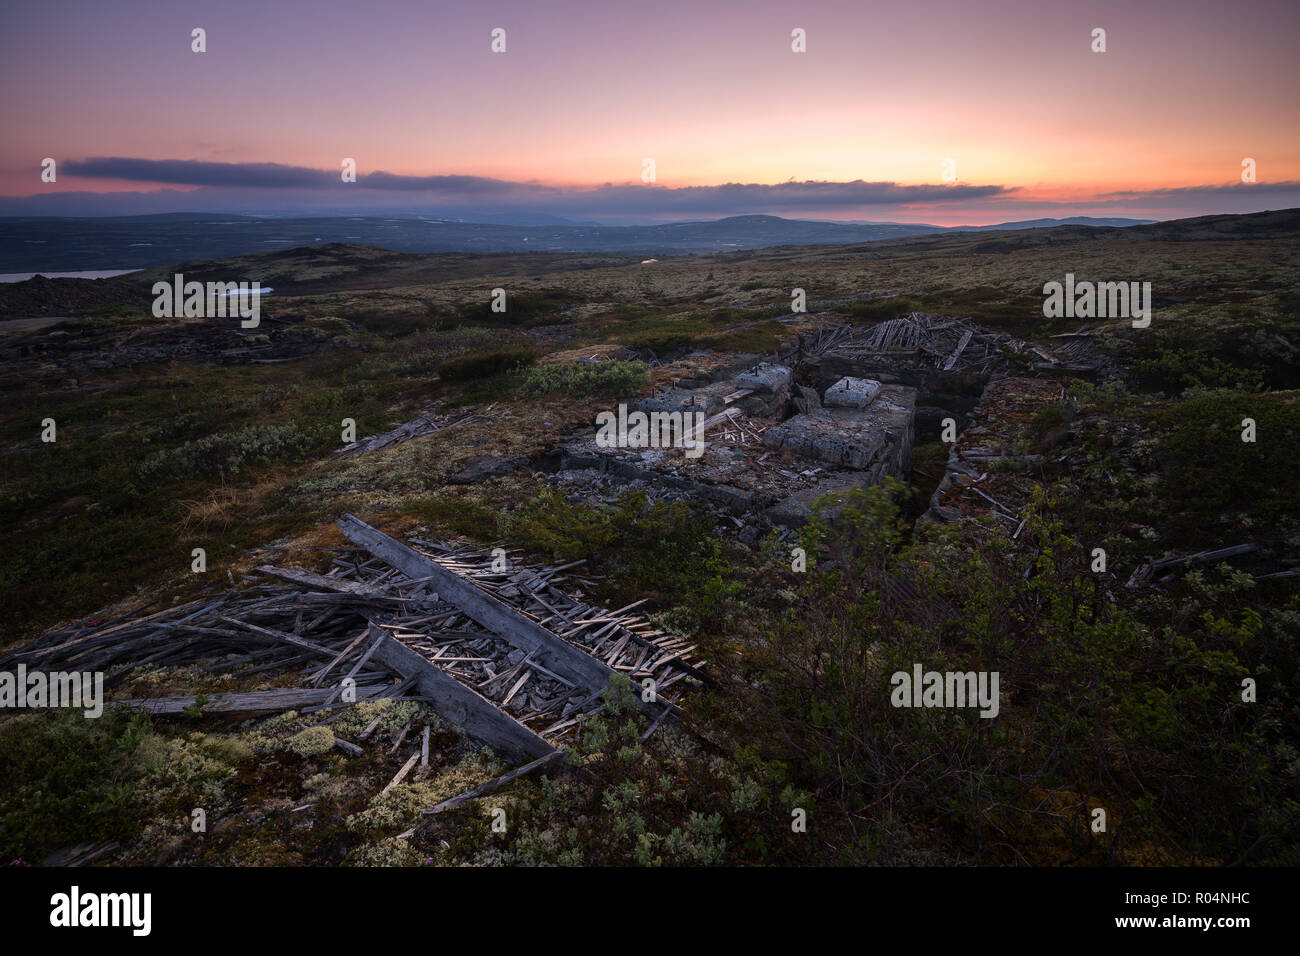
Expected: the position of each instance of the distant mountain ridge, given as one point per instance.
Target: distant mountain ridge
(332, 267)
(1117, 223)
(74, 244)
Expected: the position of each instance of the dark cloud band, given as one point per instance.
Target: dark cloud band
(724, 199)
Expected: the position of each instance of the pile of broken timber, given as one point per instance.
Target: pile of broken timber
(935, 341)
(736, 428)
(506, 652)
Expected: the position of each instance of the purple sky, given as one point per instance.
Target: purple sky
(858, 127)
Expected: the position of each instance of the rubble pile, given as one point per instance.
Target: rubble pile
(947, 360)
(1080, 354)
(772, 445)
(972, 487)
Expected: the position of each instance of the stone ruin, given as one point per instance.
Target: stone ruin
(772, 446)
(840, 410)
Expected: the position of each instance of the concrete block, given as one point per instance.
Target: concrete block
(766, 378)
(682, 400)
(877, 438)
(852, 393)
(826, 439)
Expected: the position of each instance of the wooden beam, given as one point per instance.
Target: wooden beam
(252, 703)
(293, 639)
(956, 354)
(454, 701)
(492, 785)
(320, 674)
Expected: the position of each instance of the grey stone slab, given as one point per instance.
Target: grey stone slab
(851, 392)
(682, 400)
(765, 377)
(880, 434)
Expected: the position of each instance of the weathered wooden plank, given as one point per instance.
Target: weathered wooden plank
(320, 674)
(293, 639)
(357, 666)
(956, 354)
(455, 702)
(310, 579)
(251, 703)
(493, 784)
(401, 774)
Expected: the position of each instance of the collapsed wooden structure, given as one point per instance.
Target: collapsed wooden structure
(935, 341)
(497, 647)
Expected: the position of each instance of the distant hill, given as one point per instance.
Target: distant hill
(337, 266)
(1048, 223)
(1273, 224)
(140, 242)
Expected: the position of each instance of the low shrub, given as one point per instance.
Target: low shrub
(476, 365)
(223, 455)
(612, 377)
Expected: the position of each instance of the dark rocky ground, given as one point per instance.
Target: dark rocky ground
(181, 434)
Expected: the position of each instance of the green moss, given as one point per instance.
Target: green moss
(662, 341)
(762, 338)
(312, 742)
(523, 309)
(1169, 364)
(880, 310)
(648, 547)
(393, 715)
(67, 780)
(222, 456)
(399, 808)
(181, 773)
(458, 515)
(389, 852)
(330, 323)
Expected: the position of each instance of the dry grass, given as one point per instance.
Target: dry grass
(216, 510)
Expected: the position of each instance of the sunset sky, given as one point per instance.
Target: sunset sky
(1036, 124)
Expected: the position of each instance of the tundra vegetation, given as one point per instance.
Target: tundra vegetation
(1125, 699)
